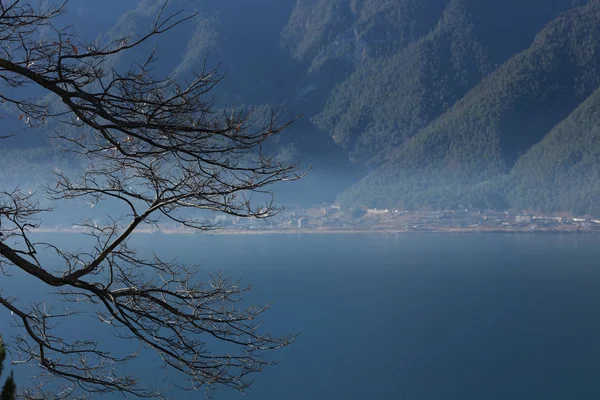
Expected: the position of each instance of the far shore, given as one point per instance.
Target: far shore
(317, 231)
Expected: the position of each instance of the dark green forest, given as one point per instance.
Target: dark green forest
(428, 104)
(9, 387)
(477, 149)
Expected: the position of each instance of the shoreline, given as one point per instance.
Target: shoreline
(352, 231)
(398, 231)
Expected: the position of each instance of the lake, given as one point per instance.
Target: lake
(416, 316)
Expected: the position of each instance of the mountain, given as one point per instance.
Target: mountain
(562, 171)
(404, 103)
(390, 98)
(320, 32)
(478, 140)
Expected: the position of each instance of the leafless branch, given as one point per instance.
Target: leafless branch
(157, 147)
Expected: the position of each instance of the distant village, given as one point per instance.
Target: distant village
(332, 218)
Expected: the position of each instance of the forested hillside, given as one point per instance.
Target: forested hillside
(391, 96)
(436, 103)
(466, 152)
(562, 172)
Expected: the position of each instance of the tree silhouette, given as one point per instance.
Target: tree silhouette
(9, 388)
(157, 148)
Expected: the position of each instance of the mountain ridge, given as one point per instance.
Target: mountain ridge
(484, 133)
(430, 104)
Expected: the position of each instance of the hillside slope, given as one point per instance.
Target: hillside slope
(437, 98)
(480, 138)
(392, 95)
(562, 172)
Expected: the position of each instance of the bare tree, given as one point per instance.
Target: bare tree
(157, 147)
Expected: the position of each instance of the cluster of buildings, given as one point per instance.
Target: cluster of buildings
(487, 220)
(332, 217)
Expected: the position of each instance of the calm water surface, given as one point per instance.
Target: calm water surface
(411, 316)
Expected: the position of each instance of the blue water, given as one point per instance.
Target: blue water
(417, 316)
